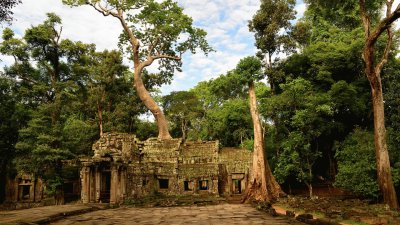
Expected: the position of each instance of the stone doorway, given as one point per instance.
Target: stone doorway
(237, 186)
(105, 186)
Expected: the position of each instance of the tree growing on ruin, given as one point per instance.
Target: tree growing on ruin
(263, 186)
(152, 31)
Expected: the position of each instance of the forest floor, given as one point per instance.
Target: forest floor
(339, 209)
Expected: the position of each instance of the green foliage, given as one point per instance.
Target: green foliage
(248, 144)
(306, 111)
(225, 109)
(249, 69)
(356, 164)
(391, 86)
(230, 123)
(182, 108)
(342, 13)
(321, 95)
(146, 129)
(268, 23)
(46, 92)
(78, 135)
(110, 97)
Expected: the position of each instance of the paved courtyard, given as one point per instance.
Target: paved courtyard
(199, 215)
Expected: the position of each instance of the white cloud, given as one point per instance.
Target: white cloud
(79, 24)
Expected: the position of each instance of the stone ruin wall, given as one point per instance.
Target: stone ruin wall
(237, 163)
(182, 164)
(121, 146)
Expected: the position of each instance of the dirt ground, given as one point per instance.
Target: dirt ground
(340, 209)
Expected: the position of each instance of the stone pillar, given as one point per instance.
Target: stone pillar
(214, 186)
(12, 189)
(32, 190)
(17, 189)
(245, 182)
(92, 184)
(85, 179)
(114, 197)
(196, 186)
(230, 184)
(98, 183)
(123, 185)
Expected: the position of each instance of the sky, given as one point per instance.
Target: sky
(225, 21)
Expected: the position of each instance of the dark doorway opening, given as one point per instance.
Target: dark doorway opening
(187, 185)
(163, 183)
(69, 194)
(203, 185)
(25, 192)
(105, 186)
(237, 186)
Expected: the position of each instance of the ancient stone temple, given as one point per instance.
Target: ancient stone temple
(124, 167)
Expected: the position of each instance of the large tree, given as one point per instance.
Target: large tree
(263, 186)
(373, 69)
(225, 111)
(377, 29)
(105, 83)
(153, 30)
(46, 89)
(271, 19)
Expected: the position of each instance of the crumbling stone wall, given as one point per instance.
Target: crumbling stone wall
(237, 164)
(25, 191)
(121, 146)
(167, 166)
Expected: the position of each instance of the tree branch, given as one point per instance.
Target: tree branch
(153, 45)
(177, 58)
(384, 24)
(150, 60)
(385, 54)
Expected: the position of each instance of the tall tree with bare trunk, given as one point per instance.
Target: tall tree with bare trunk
(152, 30)
(373, 69)
(263, 186)
(376, 17)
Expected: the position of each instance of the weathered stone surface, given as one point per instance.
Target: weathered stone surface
(139, 168)
(215, 214)
(42, 215)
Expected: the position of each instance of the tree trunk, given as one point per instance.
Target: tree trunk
(150, 104)
(310, 189)
(373, 72)
(263, 186)
(141, 90)
(382, 155)
(184, 129)
(100, 115)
